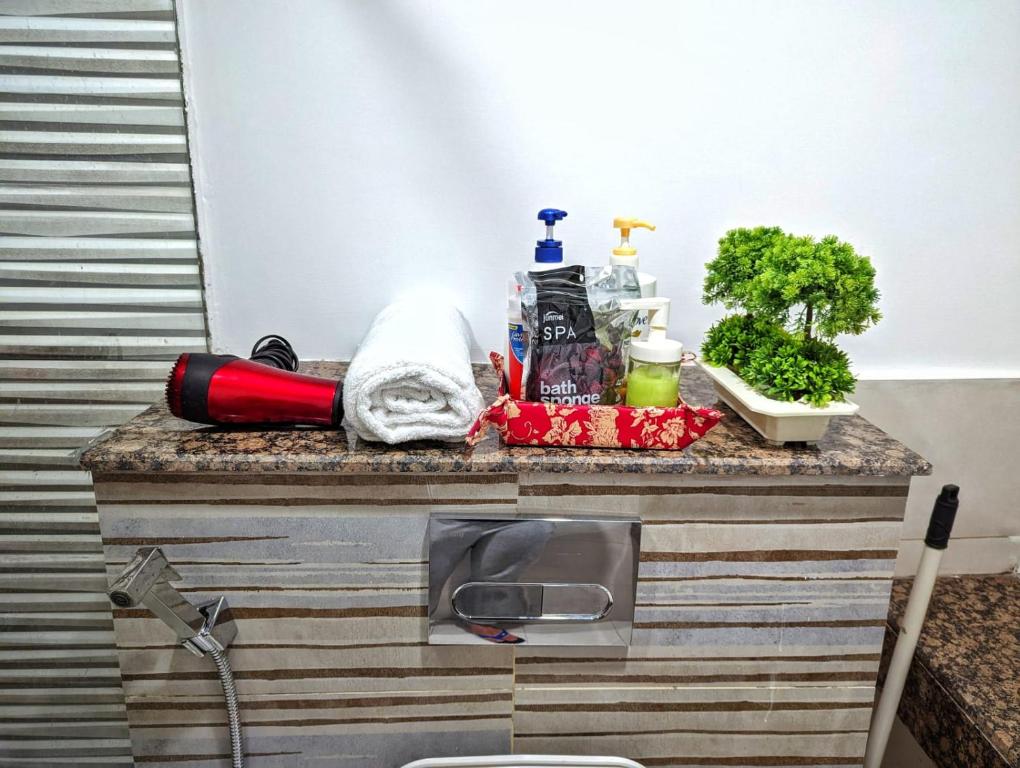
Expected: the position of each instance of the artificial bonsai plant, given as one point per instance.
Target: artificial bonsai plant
(794, 296)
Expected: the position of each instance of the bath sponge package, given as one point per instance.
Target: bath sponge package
(578, 334)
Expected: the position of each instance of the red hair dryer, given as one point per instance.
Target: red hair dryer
(266, 389)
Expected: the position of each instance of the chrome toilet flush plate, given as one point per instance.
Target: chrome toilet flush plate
(545, 580)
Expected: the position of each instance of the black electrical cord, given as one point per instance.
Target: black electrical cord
(276, 351)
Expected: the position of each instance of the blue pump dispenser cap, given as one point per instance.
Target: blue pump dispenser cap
(550, 251)
(551, 215)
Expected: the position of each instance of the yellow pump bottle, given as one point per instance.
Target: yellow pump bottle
(626, 255)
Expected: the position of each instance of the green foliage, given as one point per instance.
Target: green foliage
(730, 275)
(796, 295)
(813, 371)
(731, 340)
(777, 363)
(821, 288)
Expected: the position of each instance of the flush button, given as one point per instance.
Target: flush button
(512, 601)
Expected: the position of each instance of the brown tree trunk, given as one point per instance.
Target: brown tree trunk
(808, 320)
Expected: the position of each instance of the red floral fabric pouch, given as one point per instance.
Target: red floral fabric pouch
(521, 422)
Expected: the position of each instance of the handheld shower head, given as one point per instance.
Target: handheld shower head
(146, 581)
(206, 629)
(148, 567)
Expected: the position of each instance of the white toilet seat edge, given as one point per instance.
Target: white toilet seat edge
(524, 761)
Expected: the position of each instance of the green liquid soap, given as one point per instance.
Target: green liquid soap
(653, 386)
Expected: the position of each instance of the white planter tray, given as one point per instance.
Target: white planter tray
(777, 421)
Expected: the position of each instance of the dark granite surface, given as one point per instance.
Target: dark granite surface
(155, 441)
(962, 697)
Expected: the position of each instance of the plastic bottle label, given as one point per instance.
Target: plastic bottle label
(517, 341)
(641, 326)
(516, 346)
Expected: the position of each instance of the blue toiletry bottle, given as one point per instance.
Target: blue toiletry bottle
(548, 255)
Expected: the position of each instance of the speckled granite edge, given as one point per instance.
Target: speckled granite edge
(961, 700)
(155, 441)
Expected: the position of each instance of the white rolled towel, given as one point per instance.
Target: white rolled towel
(411, 378)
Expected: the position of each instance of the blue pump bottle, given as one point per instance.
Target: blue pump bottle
(548, 255)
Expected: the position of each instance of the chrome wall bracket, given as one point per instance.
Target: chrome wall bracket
(218, 630)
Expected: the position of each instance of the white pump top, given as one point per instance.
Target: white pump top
(656, 348)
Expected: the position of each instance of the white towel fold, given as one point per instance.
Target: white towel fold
(411, 378)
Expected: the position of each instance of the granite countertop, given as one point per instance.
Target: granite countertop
(962, 696)
(155, 441)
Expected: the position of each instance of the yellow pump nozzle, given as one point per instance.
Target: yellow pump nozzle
(625, 226)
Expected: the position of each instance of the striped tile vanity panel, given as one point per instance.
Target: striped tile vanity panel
(99, 289)
(757, 638)
(758, 629)
(327, 578)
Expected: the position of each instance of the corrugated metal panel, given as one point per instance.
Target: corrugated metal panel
(80, 171)
(51, 30)
(99, 290)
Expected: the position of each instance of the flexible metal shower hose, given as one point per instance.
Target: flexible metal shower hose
(233, 712)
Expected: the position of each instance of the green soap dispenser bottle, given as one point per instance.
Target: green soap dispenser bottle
(653, 368)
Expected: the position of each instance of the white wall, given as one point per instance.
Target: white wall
(970, 431)
(347, 150)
